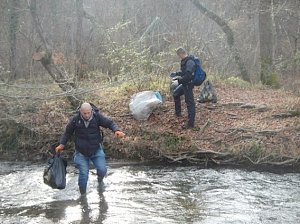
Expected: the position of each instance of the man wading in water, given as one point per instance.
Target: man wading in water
(86, 125)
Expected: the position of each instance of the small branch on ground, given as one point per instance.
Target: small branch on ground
(202, 129)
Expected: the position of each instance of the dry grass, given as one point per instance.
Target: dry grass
(233, 129)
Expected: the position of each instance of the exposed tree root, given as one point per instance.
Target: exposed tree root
(208, 157)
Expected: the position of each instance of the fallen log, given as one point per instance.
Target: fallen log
(293, 113)
(231, 114)
(241, 129)
(286, 162)
(267, 132)
(282, 115)
(248, 106)
(211, 152)
(233, 104)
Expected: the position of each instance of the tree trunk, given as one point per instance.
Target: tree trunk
(230, 37)
(125, 11)
(78, 38)
(14, 5)
(45, 57)
(266, 42)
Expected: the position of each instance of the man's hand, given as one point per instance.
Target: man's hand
(177, 78)
(59, 148)
(175, 82)
(119, 134)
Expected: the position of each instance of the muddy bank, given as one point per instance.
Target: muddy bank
(201, 159)
(247, 127)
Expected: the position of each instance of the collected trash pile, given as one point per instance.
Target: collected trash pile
(207, 94)
(143, 103)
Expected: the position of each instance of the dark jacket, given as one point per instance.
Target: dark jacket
(187, 67)
(87, 139)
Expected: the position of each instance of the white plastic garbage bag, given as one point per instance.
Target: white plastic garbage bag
(142, 104)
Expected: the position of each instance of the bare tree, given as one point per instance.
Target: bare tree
(45, 57)
(230, 37)
(67, 29)
(14, 6)
(266, 41)
(78, 38)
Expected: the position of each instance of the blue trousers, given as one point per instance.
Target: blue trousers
(187, 91)
(83, 163)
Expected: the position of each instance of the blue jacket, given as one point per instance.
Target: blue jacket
(87, 139)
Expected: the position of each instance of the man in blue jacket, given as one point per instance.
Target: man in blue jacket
(185, 79)
(86, 125)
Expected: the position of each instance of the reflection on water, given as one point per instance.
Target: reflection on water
(144, 194)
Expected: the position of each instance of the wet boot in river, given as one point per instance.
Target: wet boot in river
(82, 190)
(101, 184)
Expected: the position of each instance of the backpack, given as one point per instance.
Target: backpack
(199, 74)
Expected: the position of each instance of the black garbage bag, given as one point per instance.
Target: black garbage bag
(207, 94)
(55, 172)
(176, 89)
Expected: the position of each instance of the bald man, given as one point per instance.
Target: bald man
(86, 125)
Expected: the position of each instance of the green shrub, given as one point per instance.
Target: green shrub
(271, 80)
(237, 81)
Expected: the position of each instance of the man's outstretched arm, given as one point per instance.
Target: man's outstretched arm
(108, 123)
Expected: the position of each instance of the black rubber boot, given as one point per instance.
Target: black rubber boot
(82, 190)
(178, 115)
(187, 126)
(100, 179)
(101, 186)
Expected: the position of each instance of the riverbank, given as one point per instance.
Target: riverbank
(248, 126)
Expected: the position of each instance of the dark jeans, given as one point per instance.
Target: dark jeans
(187, 91)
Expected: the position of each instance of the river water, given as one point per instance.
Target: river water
(151, 194)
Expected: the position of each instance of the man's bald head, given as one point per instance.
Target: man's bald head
(86, 111)
(86, 106)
